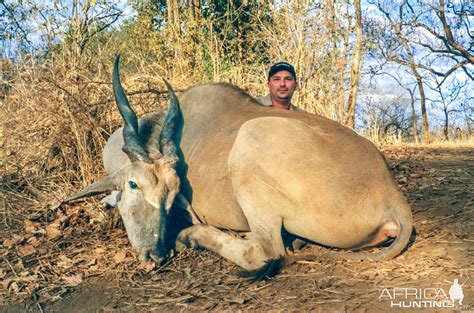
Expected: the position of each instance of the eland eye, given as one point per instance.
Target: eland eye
(133, 185)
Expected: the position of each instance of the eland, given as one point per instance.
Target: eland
(232, 164)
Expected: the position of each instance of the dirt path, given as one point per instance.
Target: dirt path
(439, 184)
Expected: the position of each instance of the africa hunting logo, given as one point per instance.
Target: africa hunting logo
(425, 297)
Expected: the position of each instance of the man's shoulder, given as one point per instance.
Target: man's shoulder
(265, 100)
(295, 108)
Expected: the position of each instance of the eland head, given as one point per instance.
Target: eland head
(149, 183)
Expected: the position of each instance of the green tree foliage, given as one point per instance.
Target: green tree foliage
(209, 37)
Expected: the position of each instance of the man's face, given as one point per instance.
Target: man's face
(282, 85)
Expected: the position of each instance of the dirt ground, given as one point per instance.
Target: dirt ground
(75, 265)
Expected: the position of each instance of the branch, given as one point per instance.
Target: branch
(138, 92)
(449, 35)
(12, 14)
(437, 35)
(430, 47)
(467, 73)
(453, 69)
(91, 33)
(427, 68)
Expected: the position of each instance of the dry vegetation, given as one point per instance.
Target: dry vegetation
(59, 112)
(77, 252)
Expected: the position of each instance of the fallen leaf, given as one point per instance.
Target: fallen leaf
(53, 231)
(65, 262)
(14, 287)
(32, 287)
(55, 298)
(73, 280)
(187, 271)
(99, 250)
(120, 256)
(41, 231)
(32, 241)
(54, 204)
(147, 266)
(5, 283)
(30, 227)
(237, 300)
(42, 250)
(26, 250)
(19, 266)
(9, 243)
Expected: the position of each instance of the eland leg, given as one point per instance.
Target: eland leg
(263, 244)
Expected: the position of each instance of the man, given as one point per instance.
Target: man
(281, 85)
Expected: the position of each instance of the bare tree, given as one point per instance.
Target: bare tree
(411, 92)
(355, 67)
(400, 52)
(85, 20)
(463, 12)
(398, 74)
(14, 27)
(446, 101)
(429, 38)
(383, 117)
(52, 21)
(449, 37)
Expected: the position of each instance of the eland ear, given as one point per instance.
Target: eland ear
(106, 184)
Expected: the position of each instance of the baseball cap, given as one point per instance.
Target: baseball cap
(281, 66)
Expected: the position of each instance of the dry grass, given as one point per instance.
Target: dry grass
(442, 143)
(57, 119)
(60, 248)
(464, 140)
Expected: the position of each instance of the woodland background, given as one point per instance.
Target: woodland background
(398, 72)
(394, 70)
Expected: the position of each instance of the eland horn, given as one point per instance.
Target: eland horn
(132, 145)
(171, 126)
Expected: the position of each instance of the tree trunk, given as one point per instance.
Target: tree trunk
(173, 13)
(446, 122)
(413, 116)
(419, 82)
(194, 9)
(413, 67)
(424, 115)
(355, 68)
(336, 63)
(235, 8)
